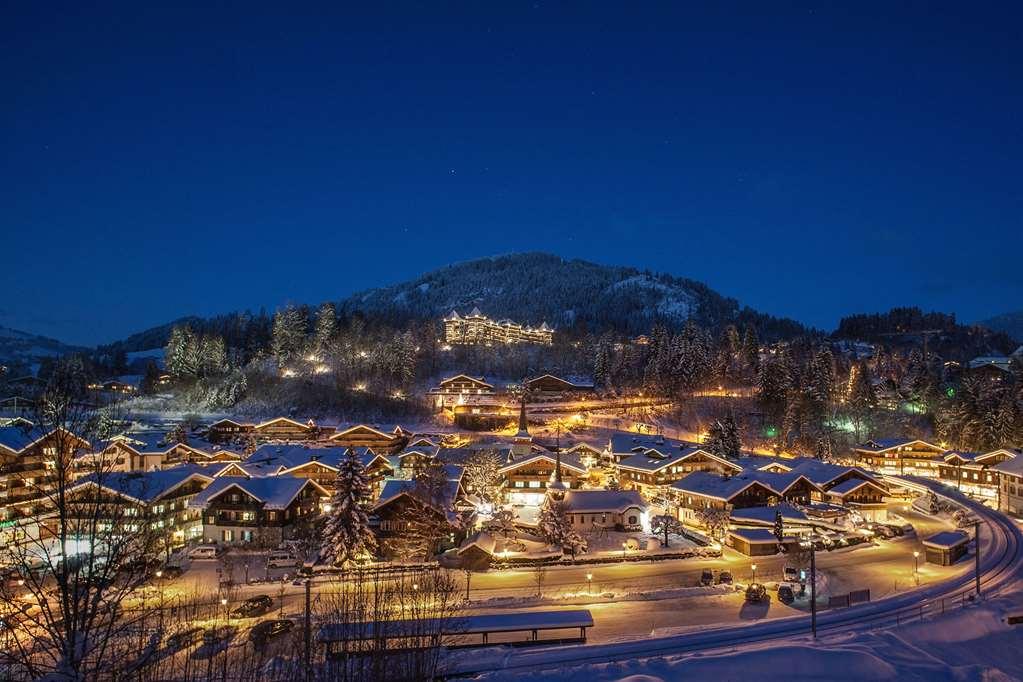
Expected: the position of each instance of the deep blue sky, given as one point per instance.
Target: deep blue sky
(808, 161)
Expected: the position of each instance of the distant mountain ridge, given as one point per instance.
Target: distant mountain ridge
(1009, 323)
(531, 288)
(21, 351)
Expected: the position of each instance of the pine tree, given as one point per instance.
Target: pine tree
(289, 329)
(723, 438)
(553, 522)
(346, 533)
(750, 353)
(779, 527)
(326, 327)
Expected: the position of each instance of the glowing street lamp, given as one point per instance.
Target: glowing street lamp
(916, 566)
(589, 583)
(754, 567)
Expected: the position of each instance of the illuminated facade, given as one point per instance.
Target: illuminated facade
(477, 328)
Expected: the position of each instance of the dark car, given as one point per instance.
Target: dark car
(725, 578)
(269, 629)
(707, 577)
(785, 594)
(756, 592)
(253, 606)
(184, 639)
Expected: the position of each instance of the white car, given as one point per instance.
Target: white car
(204, 552)
(281, 560)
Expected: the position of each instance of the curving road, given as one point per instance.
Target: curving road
(1000, 566)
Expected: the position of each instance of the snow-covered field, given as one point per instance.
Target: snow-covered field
(970, 644)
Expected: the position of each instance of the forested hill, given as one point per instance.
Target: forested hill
(1009, 323)
(571, 295)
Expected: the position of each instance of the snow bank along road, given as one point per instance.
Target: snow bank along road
(1001, 565)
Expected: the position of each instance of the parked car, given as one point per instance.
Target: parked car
(786, 594)
(707, 577)
(184, 639)
(204, 552)
(725, 578)
(756, 592)
(269, 629)
(791, 574)
(281, 559)
(254, 606)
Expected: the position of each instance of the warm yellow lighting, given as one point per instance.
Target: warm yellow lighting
(223, 602)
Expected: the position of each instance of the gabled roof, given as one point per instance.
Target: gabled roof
(716, 486)
(275, 492)
(396, 488)
(1013, 467)
(823, 473)
(885, 444)
(226, 421)
(364, 427)
(558, 379)
(144, 487)
(774, 466)
(17, 437)
(653, 460)
(631, 443)
(1011, 454)
(276, 420)
(475, 380)
(852, 485)
(568, 461)
(961, 455)
(598, 501)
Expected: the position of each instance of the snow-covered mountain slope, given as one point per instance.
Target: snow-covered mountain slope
(531, 288)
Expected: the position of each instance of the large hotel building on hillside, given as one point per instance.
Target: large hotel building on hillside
(477, 328)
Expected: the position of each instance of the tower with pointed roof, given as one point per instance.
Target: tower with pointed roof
(523, 442)
(557, 487)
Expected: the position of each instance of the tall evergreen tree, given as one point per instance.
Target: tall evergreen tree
(289, 329)
(326, 327)
(346, 533)
(723, 438)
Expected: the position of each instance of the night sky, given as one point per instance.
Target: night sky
(809, 161)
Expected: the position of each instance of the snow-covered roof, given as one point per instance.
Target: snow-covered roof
(851, 485)
(885, 444)
(598, 501)
(22, 435)
(17, 437)
(569, 460)
(275, 492)
(655, 459)
(1013, 467)
(755, 536)
(622, 444)
(947, 539)
(964, 455)
(714, 485)
(822, 473)
(766, 515)
(483, 541)
(144, 487)
(395, 488)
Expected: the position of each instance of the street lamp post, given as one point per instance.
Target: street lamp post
(916, 567)
(754, 567)
(589, 583)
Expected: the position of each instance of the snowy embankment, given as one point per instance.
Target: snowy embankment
(970, 644)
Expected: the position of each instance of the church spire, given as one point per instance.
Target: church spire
(523, 425)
